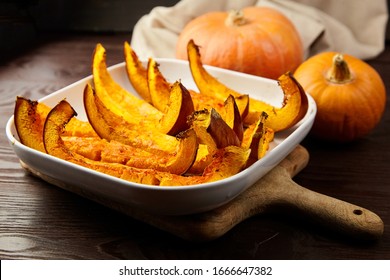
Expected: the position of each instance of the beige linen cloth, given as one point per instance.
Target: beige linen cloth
(355, 27)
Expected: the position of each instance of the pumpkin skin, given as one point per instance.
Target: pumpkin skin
(349, 93)
(256, 40)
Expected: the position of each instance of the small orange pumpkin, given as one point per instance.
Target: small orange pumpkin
(349, 93)
(256, 40)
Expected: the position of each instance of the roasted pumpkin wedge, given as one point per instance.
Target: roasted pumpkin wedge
(180, 150)
(29, 117)
(222, 134)
(204, 157)
(292, 109)
(177, 163)
(257, 138)
(213, 124)
(289, 83)
(209, 85)
(119, 100)
(178, 109)
(213, 133)
(54, 125)
(111, 126)
(207, 147)
(55, 122)
(231, 115)
(159, 87)
(116, 152)
(225, 162)
(136, 72)
(99, 149)
(89, 147)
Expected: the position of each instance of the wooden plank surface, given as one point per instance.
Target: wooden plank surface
(40, 221)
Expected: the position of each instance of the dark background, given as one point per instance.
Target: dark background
(21, 21)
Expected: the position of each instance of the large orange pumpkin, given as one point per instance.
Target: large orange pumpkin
(255, 40)
(349, 93)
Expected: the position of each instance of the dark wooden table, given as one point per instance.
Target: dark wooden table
(40, 221)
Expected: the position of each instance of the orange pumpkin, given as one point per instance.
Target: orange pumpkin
(256, 40)
(349, 93)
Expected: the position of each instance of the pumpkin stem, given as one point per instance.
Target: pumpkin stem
(235, 18)
(339, 73)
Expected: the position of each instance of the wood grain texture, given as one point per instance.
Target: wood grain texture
(41, 221)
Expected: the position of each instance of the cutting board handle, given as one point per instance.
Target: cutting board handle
(343, 217)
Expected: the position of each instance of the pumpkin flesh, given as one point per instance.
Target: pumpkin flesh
(136, 72)
(29, 118)
(123, 103)
(55, 122)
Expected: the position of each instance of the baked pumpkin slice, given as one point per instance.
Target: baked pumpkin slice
(115, 152)
(159, 89)
(211, 122)
(178, 151)
(55, 122)
(225, 163)
(294, 105)
(209, 85)
(178, 109)
(213, 133)
(111, 126)
(169, 107)
(232, 117)
(136, 72)
(29, 118)
(120, 101)
(257, 138)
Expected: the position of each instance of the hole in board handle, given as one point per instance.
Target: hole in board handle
(357, 212)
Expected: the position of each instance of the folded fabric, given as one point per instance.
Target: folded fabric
(355, 27)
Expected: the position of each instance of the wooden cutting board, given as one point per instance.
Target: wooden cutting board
(276, 191)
